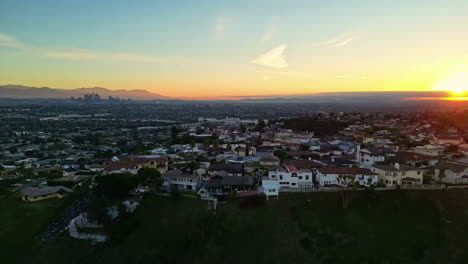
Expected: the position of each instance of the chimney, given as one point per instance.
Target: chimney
(397, 166)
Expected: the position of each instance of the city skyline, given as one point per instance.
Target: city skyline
(222, 50)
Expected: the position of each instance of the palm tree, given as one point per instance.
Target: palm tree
(345, 181)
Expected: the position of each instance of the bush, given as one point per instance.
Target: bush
(255, 201)
(65, 183)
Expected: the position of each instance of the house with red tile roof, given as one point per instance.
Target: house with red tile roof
(292, 177)
(133, 163)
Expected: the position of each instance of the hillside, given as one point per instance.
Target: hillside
(377, 227)
(26, 92)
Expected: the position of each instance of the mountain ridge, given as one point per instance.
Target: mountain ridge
(30, 92)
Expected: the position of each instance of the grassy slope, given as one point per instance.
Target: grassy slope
(21, 222)
(386, 227)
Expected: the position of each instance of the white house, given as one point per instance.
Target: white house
(270, 187)
(292, 177)
(367, 157)
(335, 176)
(452, 172)
(180, 180)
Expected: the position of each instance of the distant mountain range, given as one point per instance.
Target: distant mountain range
(26, 92)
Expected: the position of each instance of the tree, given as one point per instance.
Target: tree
(242, 128)
(12, 150)
(451, 149)
(192, 166)
(260, 126)
(305, 147)
(174, 132)
(346, 181)
(282, 154)
(150, 177)
(117, 185)
(175, 193)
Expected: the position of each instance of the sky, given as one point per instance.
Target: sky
(230, 49)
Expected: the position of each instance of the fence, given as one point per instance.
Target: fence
(423, 186)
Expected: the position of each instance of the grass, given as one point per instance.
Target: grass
(21, 222)
(383, 227)
(396, 228)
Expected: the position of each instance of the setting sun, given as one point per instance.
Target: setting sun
(456, 82)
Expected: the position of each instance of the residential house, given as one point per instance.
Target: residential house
(32, 194)
(371, 155)
(270, 187)
(180, 180)
(413, 159)
(339, 176)
(430, 150)
(450, 139)
(133, 163)
(226, 184)
(452, 172)
(398, 174)
(292, 177)
(270, 161)
(231, 169)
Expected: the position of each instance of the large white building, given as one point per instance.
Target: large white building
(292, 177)
(344, 176)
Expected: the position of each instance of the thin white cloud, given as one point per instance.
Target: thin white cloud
(272, 58)
(339, 41)
(222, 28)
(10, 42)
(269, 34)
(77, 54)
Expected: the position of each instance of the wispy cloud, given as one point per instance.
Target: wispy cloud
(222, 28)
(77, 54)
(272, 58)
(339, 41)
(10, 42)
(269, 34)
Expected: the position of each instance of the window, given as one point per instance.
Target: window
(273, 176)
(300, 177)
(281, 177)
(294, 174)
(403, 174)
(307, 177)
(419, 172)
(293, 184)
